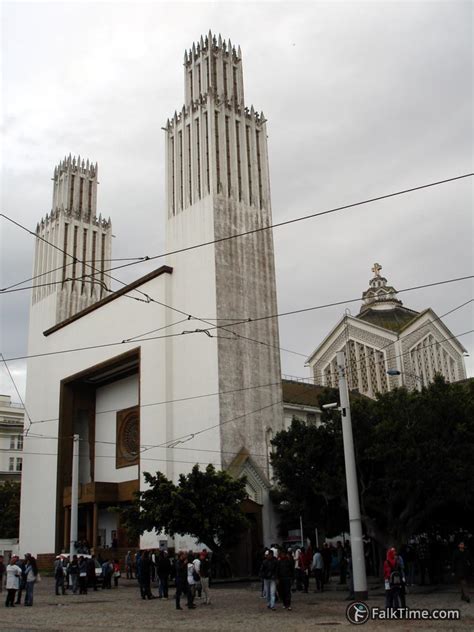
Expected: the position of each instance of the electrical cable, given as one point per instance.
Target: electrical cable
(275, 225)
(17, 392)
(218, 327)
(174, 401)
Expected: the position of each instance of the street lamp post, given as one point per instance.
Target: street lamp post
(355, 523)
(396, 372)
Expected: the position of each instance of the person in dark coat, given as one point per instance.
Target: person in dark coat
(91, 576)
(181, 576)
(83, 568)
(164, 571)
(268, 572)
(285, 574)
(461, 567)
(145, 576)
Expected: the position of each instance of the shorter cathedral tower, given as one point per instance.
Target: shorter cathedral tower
(73, 248)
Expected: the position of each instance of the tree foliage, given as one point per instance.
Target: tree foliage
(10, 493)
(414, 454)
(204, 504)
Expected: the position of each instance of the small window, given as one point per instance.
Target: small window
(12, 442)
(11, 464)
(19, 464)
(19, 444)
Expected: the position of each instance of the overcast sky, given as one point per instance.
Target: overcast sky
(362, 99)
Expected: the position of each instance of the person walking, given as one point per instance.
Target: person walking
(13, 573)
(116, 572)
(317, 567)
(83, 572)
(393, 579)
(73, 572)
(145, 576)
(192, 578)
(285, 574)
(268, 572)
(31, 572)
(461, 567)
(327, 558)
(107, 572)
(59, 576)
(205, 572)
(164, 572)
(91, 576)
(181, 577)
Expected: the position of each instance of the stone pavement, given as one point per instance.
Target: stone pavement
(234, 608)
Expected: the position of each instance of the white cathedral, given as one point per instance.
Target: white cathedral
(147, 382)
(131, 402)
(388, 345)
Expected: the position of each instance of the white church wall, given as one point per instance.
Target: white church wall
(116, 396)
(113, 322)
(189, 367)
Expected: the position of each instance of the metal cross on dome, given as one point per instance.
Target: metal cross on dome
(376, 269)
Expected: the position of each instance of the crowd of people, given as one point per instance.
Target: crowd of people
(282, 570)
(191, 573)
(20, 577)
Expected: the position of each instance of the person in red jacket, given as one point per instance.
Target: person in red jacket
(393, 577)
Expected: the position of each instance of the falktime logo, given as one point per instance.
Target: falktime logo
(358, 613)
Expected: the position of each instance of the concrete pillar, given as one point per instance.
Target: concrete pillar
(67, 526)
(95, 525)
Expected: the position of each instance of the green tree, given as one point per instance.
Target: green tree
(414, 458)
(10, 493)
(204, 504)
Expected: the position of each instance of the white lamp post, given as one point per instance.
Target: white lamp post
(355, 523)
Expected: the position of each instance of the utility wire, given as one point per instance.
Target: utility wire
(147, 299)
(17, 392)
(278, 224)
(217, 327)
(174, 401)
(303, 218)
(382, 360)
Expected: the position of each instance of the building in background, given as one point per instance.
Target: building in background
(11, 439)
(388, 345)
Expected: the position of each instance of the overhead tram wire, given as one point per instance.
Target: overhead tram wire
(271, 226)
(303, 218)
(392, 342)
(148, 298)
(173, 401)
(172, 443)
(17, 392)
(9, 288)
(275, 225)
(217, 327)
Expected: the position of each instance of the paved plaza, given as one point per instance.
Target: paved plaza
(234, 608)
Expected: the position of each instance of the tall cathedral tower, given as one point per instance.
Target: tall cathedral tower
(218, 186)
(73, 245)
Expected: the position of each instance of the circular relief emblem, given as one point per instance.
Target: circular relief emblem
(129, 437)
(358, 612)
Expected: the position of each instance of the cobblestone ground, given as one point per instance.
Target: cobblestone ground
(234, 608)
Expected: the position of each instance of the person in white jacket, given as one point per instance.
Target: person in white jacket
(13, 581)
